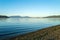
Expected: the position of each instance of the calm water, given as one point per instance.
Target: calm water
(18, 26)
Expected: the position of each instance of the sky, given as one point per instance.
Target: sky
(34, 8)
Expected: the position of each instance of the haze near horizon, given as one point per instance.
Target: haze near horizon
(34, 8)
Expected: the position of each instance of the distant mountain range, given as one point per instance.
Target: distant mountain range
(54, 16)
(19, 17)
(15, 16)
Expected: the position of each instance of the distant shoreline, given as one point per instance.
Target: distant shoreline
(54, 16)
(40, 34)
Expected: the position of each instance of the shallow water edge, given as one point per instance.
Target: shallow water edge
(43, 34)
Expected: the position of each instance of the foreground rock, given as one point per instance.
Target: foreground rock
(51, 33)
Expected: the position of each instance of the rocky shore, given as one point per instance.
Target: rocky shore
(51, 33)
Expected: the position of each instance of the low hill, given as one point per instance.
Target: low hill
(56, 16)
(3, 16)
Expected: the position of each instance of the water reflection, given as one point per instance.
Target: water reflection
(18, 26)
(54, 19)
(28, 20)
(3, 19)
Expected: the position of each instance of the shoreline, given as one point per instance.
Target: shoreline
(49, 33)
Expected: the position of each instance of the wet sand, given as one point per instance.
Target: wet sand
(51, 33)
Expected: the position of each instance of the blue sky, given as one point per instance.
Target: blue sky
(30, 7)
